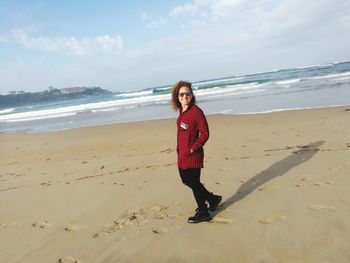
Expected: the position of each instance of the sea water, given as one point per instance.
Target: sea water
(297, 88)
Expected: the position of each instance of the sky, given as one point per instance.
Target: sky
(132, 45)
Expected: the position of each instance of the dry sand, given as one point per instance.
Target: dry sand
(113, 194)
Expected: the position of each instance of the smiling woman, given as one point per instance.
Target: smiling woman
(192, 134)
(175, 102)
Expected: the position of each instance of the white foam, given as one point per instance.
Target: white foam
(113, 109)
(40, 117)
(72, 110)
(162, 88)
(6, 111)
(335, 75)
(117, 104)
(135, 93)
(108, 109)
(216, 81)
(287, 82)
(140, 98)
(222, 112)
(230, 89)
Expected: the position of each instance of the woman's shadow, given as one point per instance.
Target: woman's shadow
(298, 157)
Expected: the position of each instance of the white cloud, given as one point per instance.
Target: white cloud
(155, 23)
(224, 8)
(107, 43)
(186, 9)
(238, 25)
(228, 36)
(210, 8)
(74, 46)
(265, 15)
(68, 45)
(152, 22)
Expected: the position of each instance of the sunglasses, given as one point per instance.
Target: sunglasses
(185, 94)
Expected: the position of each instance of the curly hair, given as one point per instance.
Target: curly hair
(175, 103)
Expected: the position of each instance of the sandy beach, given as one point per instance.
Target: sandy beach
(113, 193)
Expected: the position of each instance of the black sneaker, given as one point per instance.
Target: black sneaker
(214, 202)
(200, 216)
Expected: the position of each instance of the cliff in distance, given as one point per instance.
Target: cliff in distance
(24, 98)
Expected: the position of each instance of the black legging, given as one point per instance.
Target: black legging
(191, 178)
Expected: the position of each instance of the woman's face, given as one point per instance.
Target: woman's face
(185, 96)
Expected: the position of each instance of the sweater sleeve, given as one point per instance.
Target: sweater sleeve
(203, 129)
(177, 136)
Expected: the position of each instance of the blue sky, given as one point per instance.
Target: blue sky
(130, 45)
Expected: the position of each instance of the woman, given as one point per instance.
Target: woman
(192, 134)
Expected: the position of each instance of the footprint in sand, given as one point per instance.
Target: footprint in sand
(126, 219)
(137, 218)
(46, 183)
(267, 188)
(119, 183)
(161, 212)
(42, 224)
(68, 260)
(160, 230)
(272, 219)
(169, 164)
(322, 207)
(336, 168)
(322, 183)
(306, 178)
(71, 228)
(169, 150)
(220, 220)
(100, 234)
(12, 225)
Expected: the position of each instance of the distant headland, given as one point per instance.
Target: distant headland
(19, 98)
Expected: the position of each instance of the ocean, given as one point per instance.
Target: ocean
(286, 89)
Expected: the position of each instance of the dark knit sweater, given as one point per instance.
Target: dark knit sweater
(192, 133)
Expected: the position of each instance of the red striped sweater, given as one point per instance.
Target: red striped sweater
(192, 133)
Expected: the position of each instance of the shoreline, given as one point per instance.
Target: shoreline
(28, 131)
(112, 193)
(293, 109)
